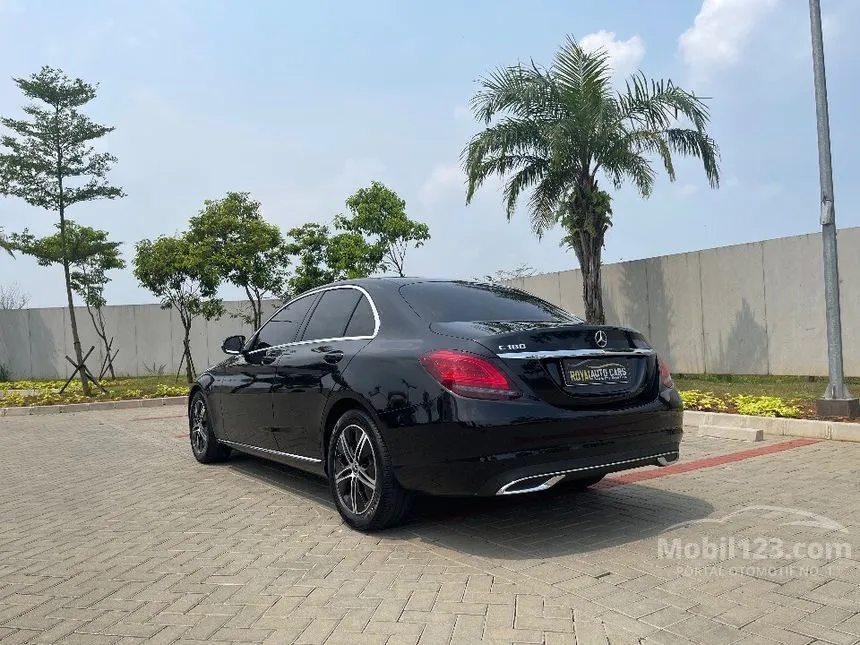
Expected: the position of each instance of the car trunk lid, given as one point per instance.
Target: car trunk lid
(569, 365)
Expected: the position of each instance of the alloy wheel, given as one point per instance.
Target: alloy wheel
(199, 427)
(355, 469)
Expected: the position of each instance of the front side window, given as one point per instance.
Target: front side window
(284, 325)
(332, 314)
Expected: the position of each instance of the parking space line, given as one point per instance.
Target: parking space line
(707, 462)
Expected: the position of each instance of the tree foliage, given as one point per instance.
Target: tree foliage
(555, 131)
(5, 245)
(90, 255)
(506, 275)
(378, 213)
(176, 270)
(323, 257)
(249, 252)
(48, 159)
(13, 297)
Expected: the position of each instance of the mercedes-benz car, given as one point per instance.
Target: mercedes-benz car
(395, 386)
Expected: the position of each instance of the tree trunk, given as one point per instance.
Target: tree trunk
(76, 341)
(189, 364)
(256, 307)
(588, 248)
(99, 325)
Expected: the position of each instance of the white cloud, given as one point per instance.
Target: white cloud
(720, 31)
(624, 55)
(444, 181)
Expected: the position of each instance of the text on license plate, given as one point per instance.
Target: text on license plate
(595, 373)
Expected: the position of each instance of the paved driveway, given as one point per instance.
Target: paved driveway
(110, 532)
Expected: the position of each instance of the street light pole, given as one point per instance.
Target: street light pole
(836, 400)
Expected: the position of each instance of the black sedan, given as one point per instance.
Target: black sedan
(392, 386)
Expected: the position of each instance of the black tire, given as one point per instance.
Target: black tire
(362, 507)
(205, 446)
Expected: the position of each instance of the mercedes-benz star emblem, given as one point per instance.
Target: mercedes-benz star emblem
(600, 338)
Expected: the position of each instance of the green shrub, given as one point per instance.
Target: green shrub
(765, 406)
(703, 401)
(171, 390)
(5, 375)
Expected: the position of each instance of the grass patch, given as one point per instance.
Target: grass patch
(45, 392)
(773, 396)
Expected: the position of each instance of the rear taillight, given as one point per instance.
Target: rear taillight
(665, 375)
(468, 375)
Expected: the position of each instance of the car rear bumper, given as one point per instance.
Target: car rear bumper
(518, 456)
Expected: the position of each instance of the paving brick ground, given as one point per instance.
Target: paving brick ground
(110, 532)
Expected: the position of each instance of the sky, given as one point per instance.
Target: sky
(301, 104)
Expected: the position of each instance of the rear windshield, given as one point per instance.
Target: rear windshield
(464, 301)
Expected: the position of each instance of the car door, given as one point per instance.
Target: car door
(247, 382)
(342, 323)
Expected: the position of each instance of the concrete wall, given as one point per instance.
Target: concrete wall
(34, 342)
(746, 309)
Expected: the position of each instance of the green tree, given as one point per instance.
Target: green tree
(49, 160)
(178, 272)
(505, 275)
(250, 252)
(378, 213)
(90, 255)
(554, 130)
(5, 245)
(323, 258)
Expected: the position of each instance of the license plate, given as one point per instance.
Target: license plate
(595, 372)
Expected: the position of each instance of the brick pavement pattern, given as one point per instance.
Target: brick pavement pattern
(111, 532)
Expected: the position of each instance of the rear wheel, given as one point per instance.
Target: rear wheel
(204, 445)
(361, 477)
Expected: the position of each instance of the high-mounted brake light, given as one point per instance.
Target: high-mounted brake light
(665, 375)
(468, 375)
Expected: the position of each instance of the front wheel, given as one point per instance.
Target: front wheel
(361, 477)
(204, 445)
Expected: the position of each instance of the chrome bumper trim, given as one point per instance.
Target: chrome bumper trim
(556, 476)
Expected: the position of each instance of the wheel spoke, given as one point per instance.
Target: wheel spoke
(360, 444)
(343, 475)
(353, 494)
(345, 448)
(364, 478)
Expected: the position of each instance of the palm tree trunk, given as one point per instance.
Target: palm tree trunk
(588, 248)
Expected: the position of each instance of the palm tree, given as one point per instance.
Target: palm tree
(555, 131)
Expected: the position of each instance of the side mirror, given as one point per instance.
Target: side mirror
(233, 344)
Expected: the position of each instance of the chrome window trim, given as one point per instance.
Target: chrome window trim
(577, 353)
(313, 292)
(271, 452)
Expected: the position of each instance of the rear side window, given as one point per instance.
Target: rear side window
(463, 301)
(331, 315)
(362, 322)
(284, 325)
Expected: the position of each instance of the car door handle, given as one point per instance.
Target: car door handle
(333, 357)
